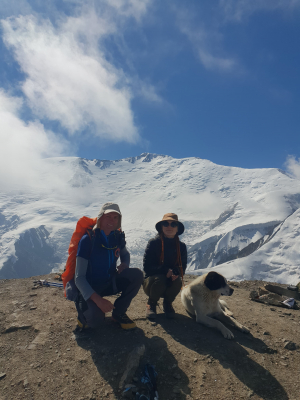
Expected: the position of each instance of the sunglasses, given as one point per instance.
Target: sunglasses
(166, 224)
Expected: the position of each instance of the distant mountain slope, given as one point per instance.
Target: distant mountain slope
(224, 209)
(277, 257)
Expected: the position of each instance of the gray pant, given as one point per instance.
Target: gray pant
(157, 286)
(128, 283)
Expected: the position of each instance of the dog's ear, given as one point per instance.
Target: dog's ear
(214, 281)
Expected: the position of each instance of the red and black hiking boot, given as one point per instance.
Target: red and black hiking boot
(168, 309)
(124, 321)
(151, 309)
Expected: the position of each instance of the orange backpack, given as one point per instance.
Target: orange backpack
(82, 227)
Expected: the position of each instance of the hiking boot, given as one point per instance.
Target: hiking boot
(151, 310)
(168, 309)
(81, 325)
(124, 321)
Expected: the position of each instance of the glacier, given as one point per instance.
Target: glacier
(241, 222)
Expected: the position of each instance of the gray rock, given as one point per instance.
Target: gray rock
(290, 346)
(2, 375)
(132, 364)
(14, 327)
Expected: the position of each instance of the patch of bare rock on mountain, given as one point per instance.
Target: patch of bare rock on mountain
(42, 356)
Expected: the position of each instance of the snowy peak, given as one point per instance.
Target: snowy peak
(226, 210)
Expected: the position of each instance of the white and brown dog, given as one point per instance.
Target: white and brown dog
(201, 298)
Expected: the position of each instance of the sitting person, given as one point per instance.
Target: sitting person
(97, 275)
(164, 264)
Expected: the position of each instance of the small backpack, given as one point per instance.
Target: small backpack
(83, 225)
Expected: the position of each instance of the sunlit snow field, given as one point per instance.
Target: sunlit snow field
(224, 209)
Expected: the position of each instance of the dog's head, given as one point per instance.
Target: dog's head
(215, 281)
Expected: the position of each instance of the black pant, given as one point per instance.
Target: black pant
(128, 283)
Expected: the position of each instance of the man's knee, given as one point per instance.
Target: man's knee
(134, 275)
(138, 275)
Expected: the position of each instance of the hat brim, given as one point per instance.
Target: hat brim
(110, 211)
(158, 227)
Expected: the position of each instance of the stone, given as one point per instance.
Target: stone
(14, 327)
(2, 375)
(290, 346)
(133, 362)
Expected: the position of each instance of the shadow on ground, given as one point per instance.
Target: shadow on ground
(110, 347)
(230, 353)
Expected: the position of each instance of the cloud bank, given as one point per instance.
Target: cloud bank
(23, 145)
(68, 79)
(293, 166)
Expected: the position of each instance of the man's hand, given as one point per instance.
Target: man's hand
(104, 305)
(121, 267)
(169, 274)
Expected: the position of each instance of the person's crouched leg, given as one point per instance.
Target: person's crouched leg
(89, 314)
(128, 282)
(154, 287)
(170, 295)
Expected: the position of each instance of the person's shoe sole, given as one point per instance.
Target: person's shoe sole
(81, 326)
(126, 327)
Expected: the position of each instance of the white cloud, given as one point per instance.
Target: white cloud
(134, 8)
(292, 166)
(206, 41)
(204, 26)
(69, 79)
(22, 146)
(238, 10)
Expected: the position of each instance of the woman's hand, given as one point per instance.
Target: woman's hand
(104, 305)
(174, 277)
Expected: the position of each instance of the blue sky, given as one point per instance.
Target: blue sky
(109, 79)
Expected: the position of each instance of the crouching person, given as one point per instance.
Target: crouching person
(97, 276)
(164, 264)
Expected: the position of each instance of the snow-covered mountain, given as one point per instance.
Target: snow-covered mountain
(244, 223)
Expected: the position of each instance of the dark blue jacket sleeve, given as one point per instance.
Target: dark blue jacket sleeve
(84, 247)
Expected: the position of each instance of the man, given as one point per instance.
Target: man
(97, 274)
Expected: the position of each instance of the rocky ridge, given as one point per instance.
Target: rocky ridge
(42, 356)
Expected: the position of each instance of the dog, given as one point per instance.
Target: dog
(201, 299)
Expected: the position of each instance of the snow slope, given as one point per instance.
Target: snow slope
(276, 260)
(224, 210)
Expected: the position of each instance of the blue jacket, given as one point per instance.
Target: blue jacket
(102, 253)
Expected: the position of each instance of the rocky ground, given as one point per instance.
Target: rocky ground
(42, 356)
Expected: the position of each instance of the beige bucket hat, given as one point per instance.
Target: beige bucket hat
(170, 217)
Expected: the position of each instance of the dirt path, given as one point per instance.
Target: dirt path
(41, 357)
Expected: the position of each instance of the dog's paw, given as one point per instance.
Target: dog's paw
(227, 334)
(245, 329)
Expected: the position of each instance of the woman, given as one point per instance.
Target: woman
(164, 263)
